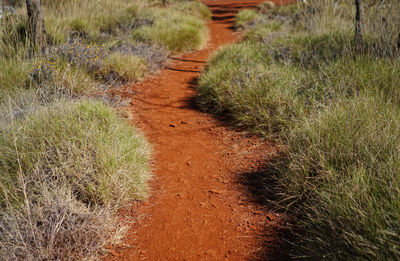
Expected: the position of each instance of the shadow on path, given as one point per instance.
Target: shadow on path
(208, 200)
(258, 188)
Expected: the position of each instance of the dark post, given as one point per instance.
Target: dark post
(398, 42)
(358, 38)
(36, 30)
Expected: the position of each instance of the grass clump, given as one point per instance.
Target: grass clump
(266, 6)
(79, 25)
(298, 77)
(14, 75)
(174, 31)
(194, 8)
(53, 171)
(58, 79)
(99, 171)
(125, 68)
(155, 56)
(246, 17)
(242, 85)
(343, 167)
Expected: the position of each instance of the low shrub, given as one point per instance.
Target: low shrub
(79, 54)
(92, 20)
(85, 34)
(58, 79)
(54, 226)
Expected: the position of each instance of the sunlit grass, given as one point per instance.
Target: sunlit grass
(84, 173)
(296, 77)
(68, 162)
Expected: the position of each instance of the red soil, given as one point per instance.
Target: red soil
(205, 201)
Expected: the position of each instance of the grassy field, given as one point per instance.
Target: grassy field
(86, 37)
(297, 77)
(68, 161)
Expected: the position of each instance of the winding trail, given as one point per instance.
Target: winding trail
(206, 200)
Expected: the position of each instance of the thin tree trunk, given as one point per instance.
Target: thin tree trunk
(398, 42)
(36, 29)
(164, 2)
(358, 38)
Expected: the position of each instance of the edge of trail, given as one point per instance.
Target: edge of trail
(204, 201)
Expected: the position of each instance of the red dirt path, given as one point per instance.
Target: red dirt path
(198, 207)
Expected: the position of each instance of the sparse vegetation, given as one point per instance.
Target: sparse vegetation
(299, 76)
(67, 160)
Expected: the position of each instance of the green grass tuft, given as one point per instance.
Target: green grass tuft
(120, 67)
(246, 17)
(174, 31)
(103, 163)
(79, 25)
(194, 8)
(61, 182)
(343, 166)
(266, 6)
(241, 84)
